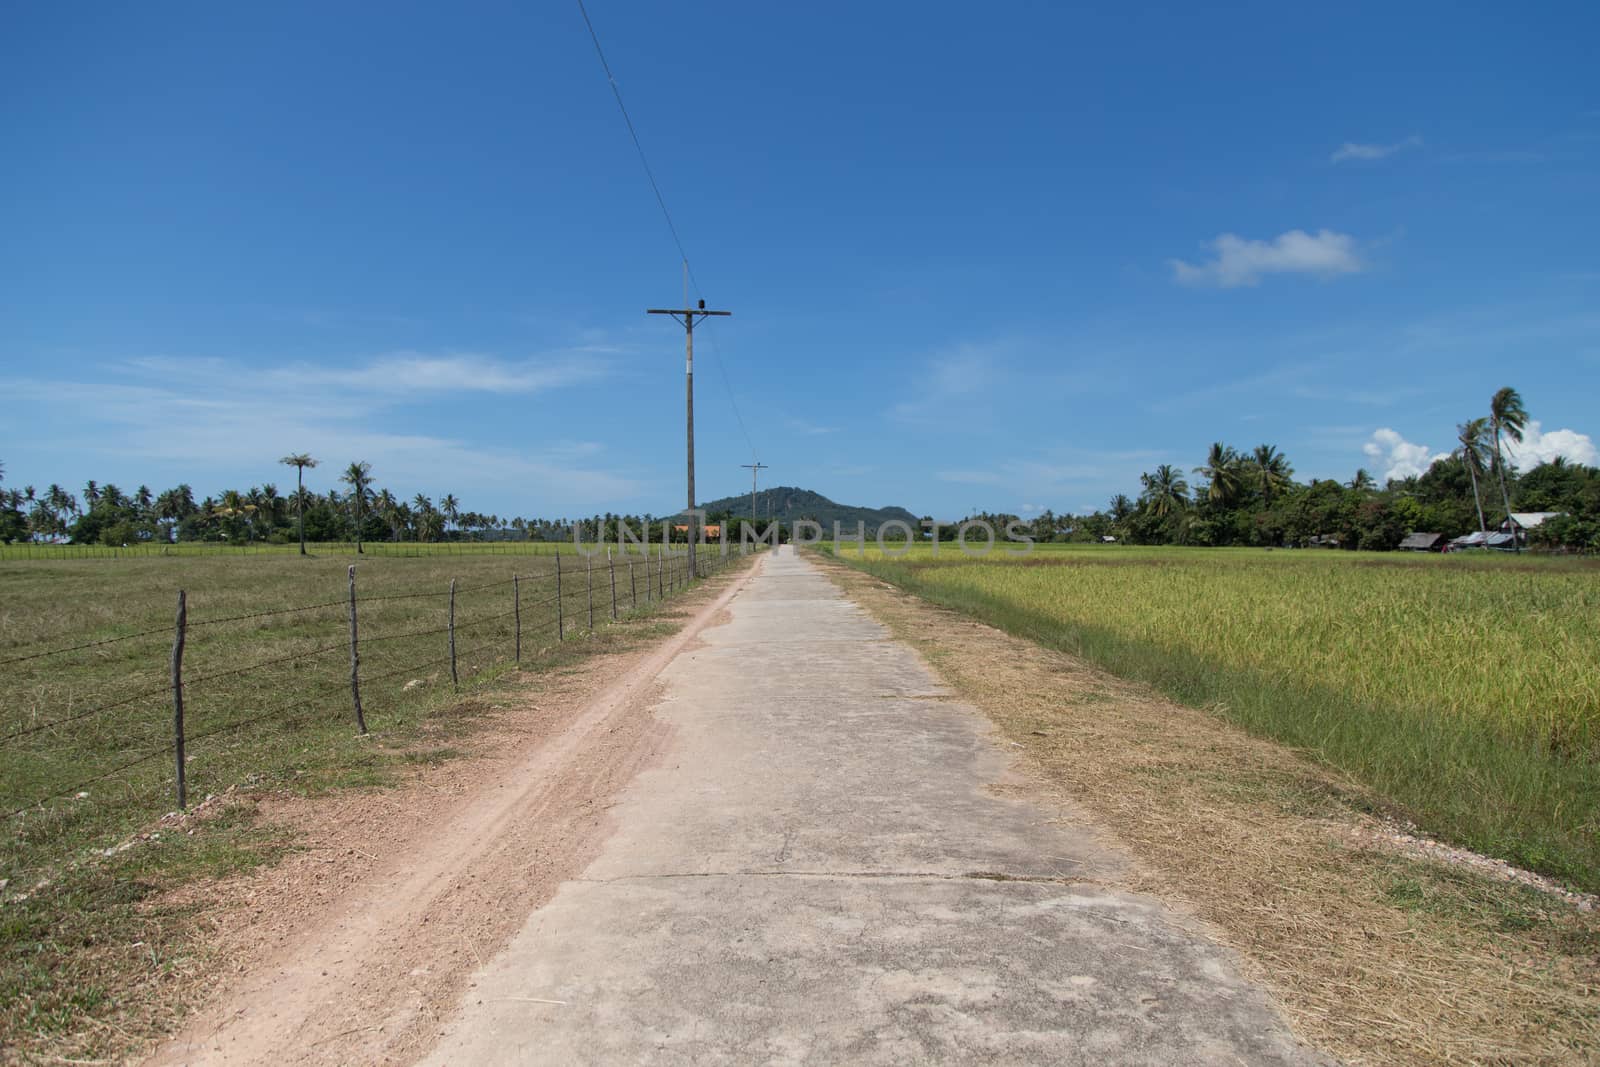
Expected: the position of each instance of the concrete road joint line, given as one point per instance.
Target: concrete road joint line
(911, 876)
(909, 919)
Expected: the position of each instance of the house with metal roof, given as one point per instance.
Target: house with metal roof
(1423, 542)
(1528, 520)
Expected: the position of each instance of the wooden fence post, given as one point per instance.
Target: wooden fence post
(561, 628)
(516, 612)
(455, 683)
(355, 656)
(588, 581)
(179, 629)
(611, 565)
(633, 589)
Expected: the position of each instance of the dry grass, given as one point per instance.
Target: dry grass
(1376, 956)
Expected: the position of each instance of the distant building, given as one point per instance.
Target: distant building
(713, 530)
(1501, 541)
(1423, 542)
(1523, 521)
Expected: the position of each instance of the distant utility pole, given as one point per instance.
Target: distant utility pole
(686, 317)
(755, 469)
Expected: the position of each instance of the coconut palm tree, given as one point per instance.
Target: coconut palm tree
(300, 461)
(388, 509)
(423, 511)
(451, 507)
(1507, 418)
(1474, 451)
(1362, 482)
(358, 476)
(234, 510)
(1270, 471)
(1165, 491)
(1221, 471)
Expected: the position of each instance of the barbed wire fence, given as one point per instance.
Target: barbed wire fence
(189, 700)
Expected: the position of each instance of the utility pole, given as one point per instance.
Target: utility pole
(755, 469)
(686, 317)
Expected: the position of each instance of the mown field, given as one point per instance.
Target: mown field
(86, 721)
(1463, 691)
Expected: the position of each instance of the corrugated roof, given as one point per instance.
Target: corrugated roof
(1529, 519)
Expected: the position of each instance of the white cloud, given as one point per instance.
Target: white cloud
(1539, 447)
(1353, 150)
(205, 420)
(1398, 457)
(400, 373)
(1325, 254)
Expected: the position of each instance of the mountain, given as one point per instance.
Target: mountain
(787, 503)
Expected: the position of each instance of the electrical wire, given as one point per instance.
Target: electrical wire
(672, 227)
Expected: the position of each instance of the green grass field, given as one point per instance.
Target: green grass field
(1464, 691)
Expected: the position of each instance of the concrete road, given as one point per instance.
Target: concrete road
(822, 871)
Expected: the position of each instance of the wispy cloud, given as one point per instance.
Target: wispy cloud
(399, 373)
(1354, 150)
(207, 419)
(807, 429)
(948, 377)
(1240, 262)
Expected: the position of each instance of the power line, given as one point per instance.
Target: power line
(617, 92)
(661, 201)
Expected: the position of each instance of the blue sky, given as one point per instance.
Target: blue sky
(1002, 257)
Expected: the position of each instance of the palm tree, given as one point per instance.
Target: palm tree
(1221, 471)
(450, 506)
(1165, 491)
(234, 510)
(1362, 482)
(1270, 470)
(358, 476)
(388, 509)
(1474, 453)
(428, 520)
(300, 461)
(1507, 418)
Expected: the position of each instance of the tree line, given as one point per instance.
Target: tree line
(358, 511)
(1252, 498)
(1234, 498)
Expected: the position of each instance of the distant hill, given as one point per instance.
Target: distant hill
(786, 504)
